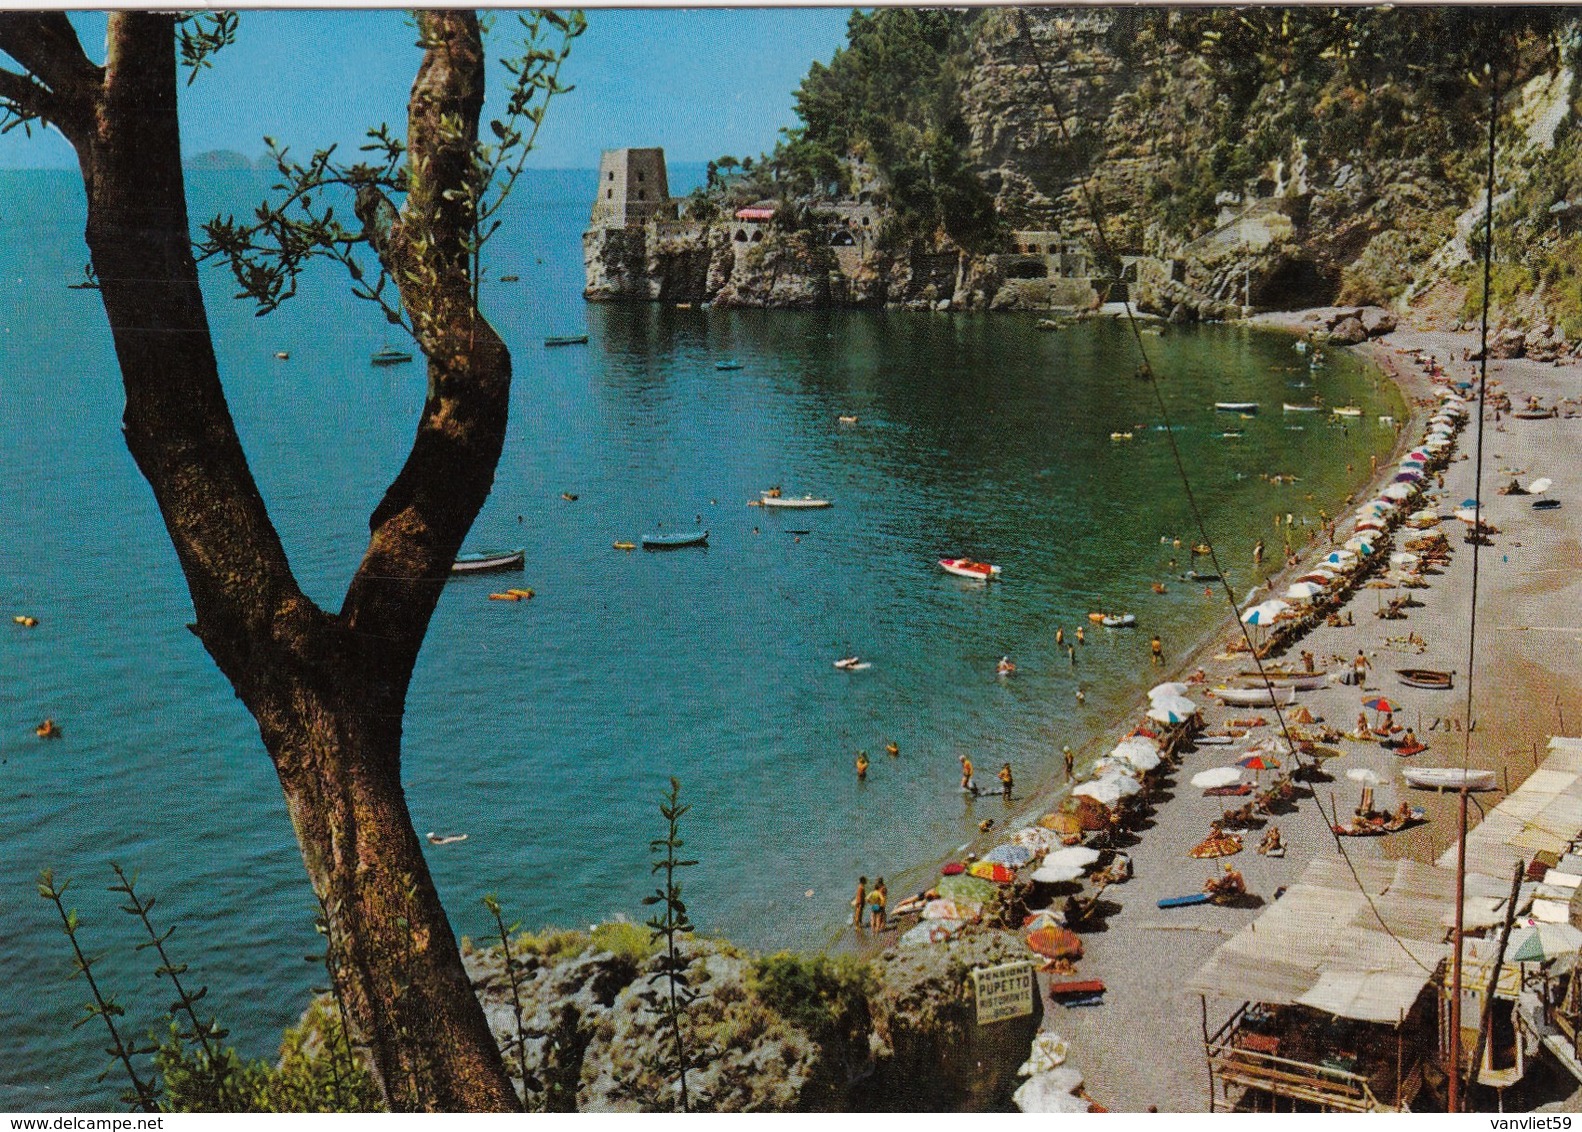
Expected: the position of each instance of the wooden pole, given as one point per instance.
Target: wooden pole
(1400, 1054)
(1485, 1022)
(1453, 1074)
(1207, 1057)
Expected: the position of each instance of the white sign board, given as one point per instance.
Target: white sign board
(1003, 992)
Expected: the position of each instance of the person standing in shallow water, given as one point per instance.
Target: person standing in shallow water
(1071, 761)
(876, 903)
(966, 775)
(1005, 781)
(859, 903)
(1157, 648)
(862, 766)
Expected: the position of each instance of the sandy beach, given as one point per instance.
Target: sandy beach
(1143, 1045)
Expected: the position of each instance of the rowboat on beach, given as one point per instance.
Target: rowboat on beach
(1448, 778)
(1285, 678)
(1426, 678)
(672, 541)
(805, 502)
(967, 568)
(488, 561)
(1236, 406)
(1255, 697)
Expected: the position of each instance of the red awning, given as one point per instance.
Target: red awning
(755, 214)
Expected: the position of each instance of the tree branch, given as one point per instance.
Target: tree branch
(27, 98)
(48, 48)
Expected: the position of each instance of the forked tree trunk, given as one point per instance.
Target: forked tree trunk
(327, 690)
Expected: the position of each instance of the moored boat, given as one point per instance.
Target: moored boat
(805, 502)
(1290, 408)
(1236, 406)
(566, 340)
(1255, 697)
(389, 356)
(1283, 678)
(728, 364)
(967, 568)
(1346, 411)
(672, 541)
(1426, 678)
(1447, 778)
(1119, 621)
(488, 561)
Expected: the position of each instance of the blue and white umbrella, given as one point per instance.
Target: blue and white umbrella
(1012, 856)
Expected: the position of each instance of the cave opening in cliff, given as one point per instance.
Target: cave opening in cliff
(1294, 285)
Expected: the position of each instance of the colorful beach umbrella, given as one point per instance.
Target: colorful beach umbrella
(1055, 943)
(1012, 855)
(1063, 824)
(1379, 703)
(1259, 762)
(966, 889)
(1036, 838)
(1408, 475)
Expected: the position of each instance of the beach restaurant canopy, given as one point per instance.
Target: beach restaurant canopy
(1320, 945)
(1543, 813)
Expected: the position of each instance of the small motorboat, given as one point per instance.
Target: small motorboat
(1120, 436)
(389, 356)
(1546, 504)
(807, 501)
(1426, 678)
(283, 355)
(1119, 621)
(1290, 408)
(967, 568)
(728, 364)
(1199, 576)
(1236, 406)
(852, 664)
(625, 546)
(1448, 778)
(844, 419)
(1346, 411)
(1255, 697)
(488, 561)
(510, 278)
(566, 340)
(1233, 434)
(673, 541)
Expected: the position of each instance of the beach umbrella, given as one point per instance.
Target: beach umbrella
(1178, 704)
(1361, 544)
(1259, 762)
(1138, 758)
(930, 931)
(1379, 703)
(1012, 855)
(1397, 492)
(1404, 558)
(1469, 503)
(949, 910)
(1055, 943)
(1303, 591)
(1065, 825)
(1426, 515)
(1216, 776)
(1110, 766)
(1169, 688)
(1037, 839)
(965, 889)
(1535, 943)
(1265, 612)
(1342, 558)
(1079, 855)
(1408, 476)
(1370, 525)
(1137, 743)
(1168, 715)
(1363, 775)
(1318, 577)
(1105, 791)
(1057, 874)
(1467, 514)
(991, 871)
(1539, 486)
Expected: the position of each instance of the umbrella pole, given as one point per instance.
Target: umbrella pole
(1494, 978)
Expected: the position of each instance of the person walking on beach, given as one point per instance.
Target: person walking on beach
(1359, 668)
(1005, 781)
(966, 775)
(862, 766)
(1071, 761)
(1157, 648)
(1307, 660)
(1257, 553)
(876, 903)
(859, 903)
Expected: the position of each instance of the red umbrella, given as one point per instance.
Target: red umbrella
(1056, 943)
(1379, 703)
(1260, 762)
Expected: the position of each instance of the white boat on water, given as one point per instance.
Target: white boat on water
(805, 502)
(1347, 411)
(1447, 778)
(1290, 408)
(1256, 697)
(1236, 406)
(967, 568)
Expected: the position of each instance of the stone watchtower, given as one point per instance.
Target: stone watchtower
(632, 189)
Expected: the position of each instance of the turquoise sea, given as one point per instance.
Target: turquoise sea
(546, 730)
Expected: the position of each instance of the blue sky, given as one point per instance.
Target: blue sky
(699, 82)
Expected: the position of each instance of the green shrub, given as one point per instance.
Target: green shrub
(826, 997)
(628, 940)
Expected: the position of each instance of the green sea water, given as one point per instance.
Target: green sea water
(546, 730)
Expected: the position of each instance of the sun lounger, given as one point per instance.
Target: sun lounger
(1184, 901)
(1076, 987)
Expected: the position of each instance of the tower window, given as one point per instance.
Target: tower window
(612, 175)
(642, 194)
(609, 194)
(639, 178)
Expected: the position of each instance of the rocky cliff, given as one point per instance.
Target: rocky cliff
(784, 1034)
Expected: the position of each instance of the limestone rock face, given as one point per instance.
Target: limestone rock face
(1348, 331)
(1508, 343)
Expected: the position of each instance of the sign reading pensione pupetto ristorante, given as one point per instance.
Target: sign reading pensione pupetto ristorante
(1002, 992)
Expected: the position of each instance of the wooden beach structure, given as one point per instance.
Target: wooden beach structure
(1335, 1013)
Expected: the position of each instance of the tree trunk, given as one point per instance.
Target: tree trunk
(328, 691)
